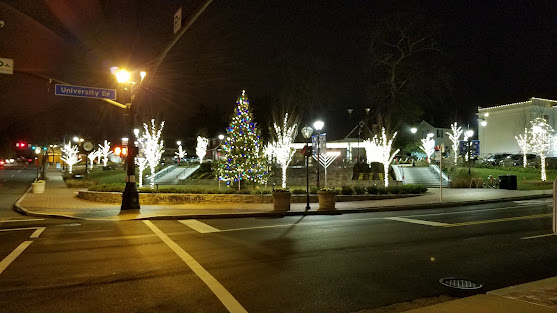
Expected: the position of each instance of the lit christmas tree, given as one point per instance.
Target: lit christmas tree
(70, 156)
(201, 148)
(282, 147)
(243, 151)
(455, 138)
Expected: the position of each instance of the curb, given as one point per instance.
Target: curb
(24, 211)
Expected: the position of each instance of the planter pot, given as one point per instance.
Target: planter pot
(326, 200)
(281, 201)
(38, 187)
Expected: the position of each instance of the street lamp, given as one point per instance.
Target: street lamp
(413, 130)
(307, 132)
(130, 196)
(318, 126)
(469, 134)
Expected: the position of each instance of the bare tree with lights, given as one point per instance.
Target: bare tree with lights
(455, 139)
(428, 146)
(523, 141)
(70, 155)
(201, 148)
(541, 141)
(105, 151)
(282, 146)
(181, 153)
(379, 149)
(153, 147)
(92, 156)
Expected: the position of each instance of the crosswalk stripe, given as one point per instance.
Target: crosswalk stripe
(501, 220)
(199, 226)
(414, 221)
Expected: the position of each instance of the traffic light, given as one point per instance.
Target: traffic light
(124, 151)
(117, 151)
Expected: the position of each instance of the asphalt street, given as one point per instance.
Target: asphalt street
(342, 263)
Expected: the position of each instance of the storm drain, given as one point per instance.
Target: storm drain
(460, 283)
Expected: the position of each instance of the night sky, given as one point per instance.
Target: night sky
(311, 53)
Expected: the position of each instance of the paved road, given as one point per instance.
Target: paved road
(341, 263)
(14, 181)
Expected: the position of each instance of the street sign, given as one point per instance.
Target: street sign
(84, 92)
(6, 66)
(177, 20)
(474, 147)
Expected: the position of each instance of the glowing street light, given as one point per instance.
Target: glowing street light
(307, 132)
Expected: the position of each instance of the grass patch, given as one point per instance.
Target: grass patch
(527, 178)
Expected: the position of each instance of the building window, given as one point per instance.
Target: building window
(439, 133)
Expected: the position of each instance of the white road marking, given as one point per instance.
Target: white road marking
(258, 227)
(199, 226)
(538, 236)
(28, 220)
(224, 296)
(12, 256)
(414, 221)
(38, 232)
(463, 212)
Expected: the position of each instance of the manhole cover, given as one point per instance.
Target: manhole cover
(460, 283)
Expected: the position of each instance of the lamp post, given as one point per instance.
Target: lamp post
(318, 126)
(307, 132)
(469, 134)
(413, 130)
(130, 196)
(361, 123)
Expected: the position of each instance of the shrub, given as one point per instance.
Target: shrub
(372, 190)
(298, 191)
(108, 187)
(346, 190)
(359, 190)
(313, 189)
(80, 183)
(395, 190)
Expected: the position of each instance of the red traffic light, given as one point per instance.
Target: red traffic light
(117, 151)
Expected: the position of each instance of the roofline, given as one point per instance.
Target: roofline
(515, 104)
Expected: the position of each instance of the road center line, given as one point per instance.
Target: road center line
(414, 221)
(200, 226)
(538, 236)
(12, 256)
(224, 296)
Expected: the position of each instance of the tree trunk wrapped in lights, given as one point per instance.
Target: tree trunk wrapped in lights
(282, 146)
(523, 141)
(141, 165)
(455, 139)
(378, 149)
(152, 146)
(428, 146)
(70, 156)
(541, 141)
(243, 157)
(105, 152)
(201, 148)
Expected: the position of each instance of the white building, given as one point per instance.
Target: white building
(504, 122)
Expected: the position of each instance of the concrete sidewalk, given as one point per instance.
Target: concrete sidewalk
(59, 201)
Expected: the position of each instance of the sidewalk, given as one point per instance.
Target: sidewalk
(59, 201)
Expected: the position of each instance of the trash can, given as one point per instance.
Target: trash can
(507, 182)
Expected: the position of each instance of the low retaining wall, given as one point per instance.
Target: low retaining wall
(180, 198)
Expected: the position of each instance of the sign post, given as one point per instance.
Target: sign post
(178, 20)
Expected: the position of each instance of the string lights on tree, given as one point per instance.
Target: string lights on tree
(523, 141)
(243, 157)
(282, 146)
(92, 156)
(378, 149)
(541, 137)
(105, 152)
(70, 155)
(152, 146)
(428, 146)
(201, 148)
(181, 153)
(141, 165)
(455, 139)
